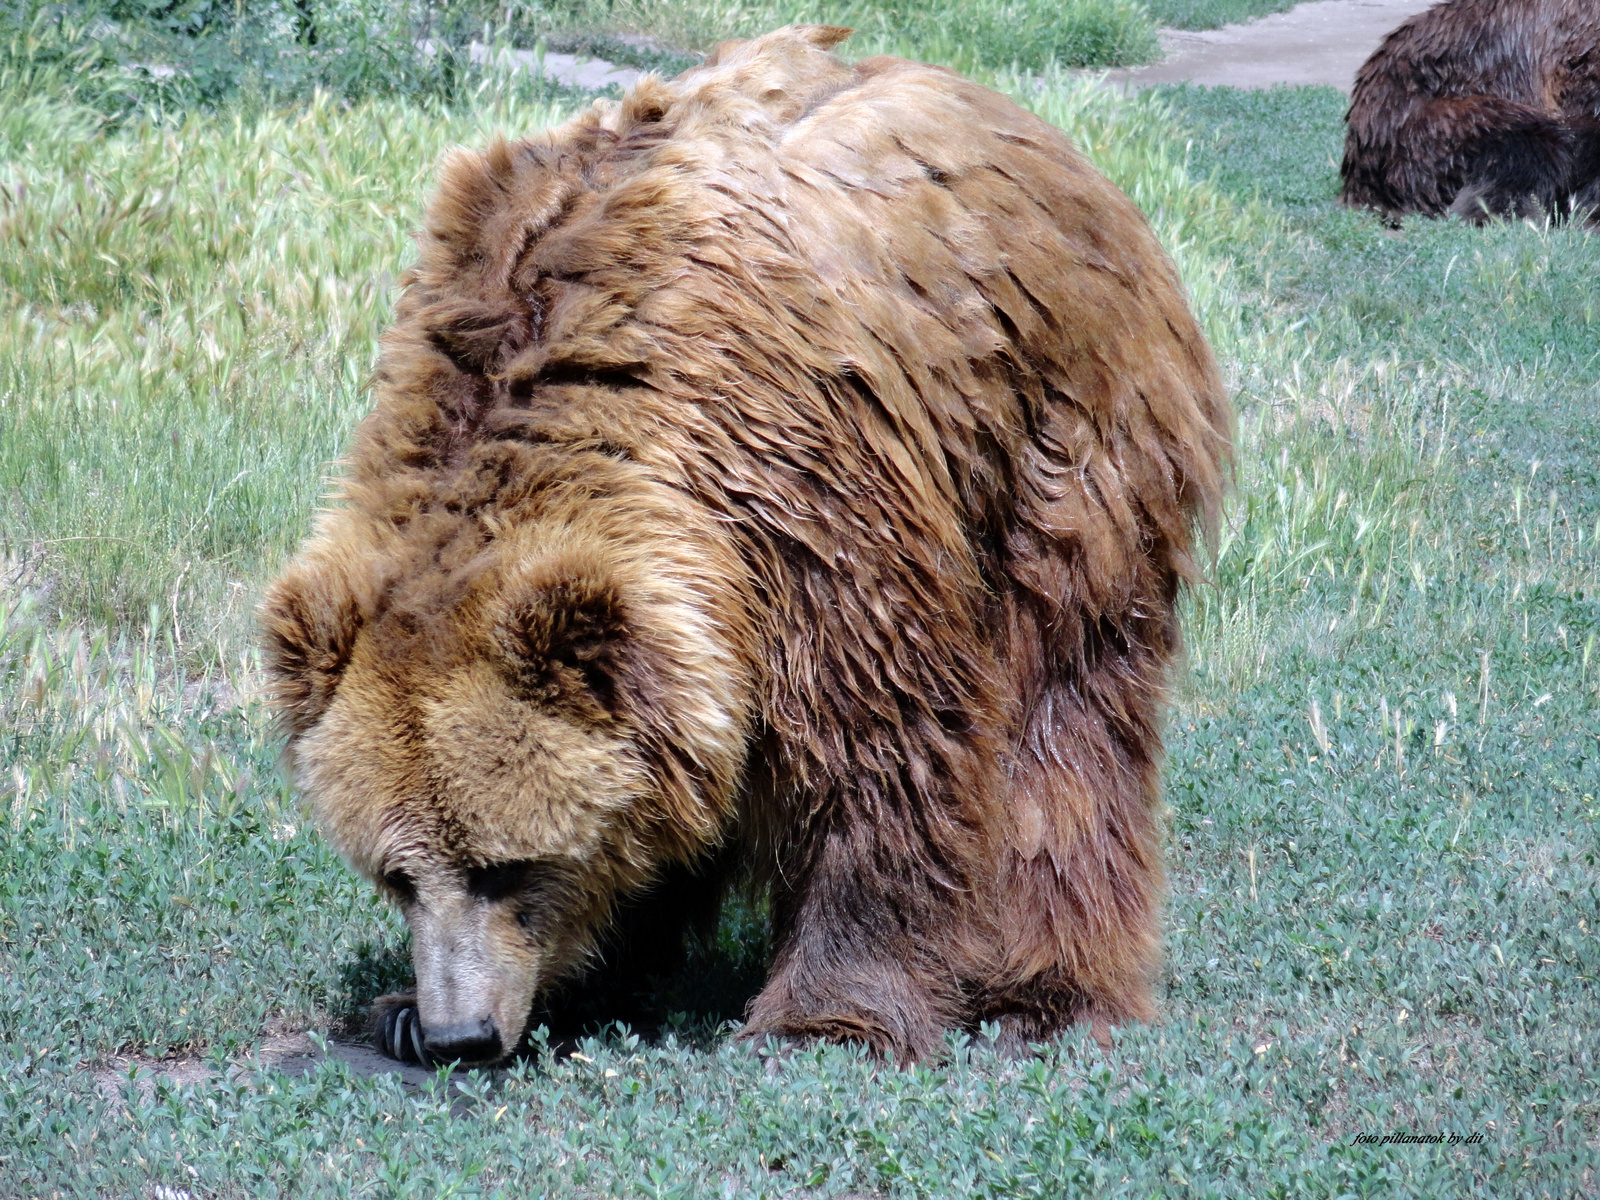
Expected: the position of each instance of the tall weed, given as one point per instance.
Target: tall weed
(188, 312)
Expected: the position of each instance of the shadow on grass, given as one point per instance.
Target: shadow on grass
(377, 969)
(691, 987)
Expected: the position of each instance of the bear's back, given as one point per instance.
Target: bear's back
(808, 292)
(1535, 52)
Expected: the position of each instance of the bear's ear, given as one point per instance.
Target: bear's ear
(566, 642)
(309, 622)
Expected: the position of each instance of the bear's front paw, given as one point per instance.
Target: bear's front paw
(397, 1029)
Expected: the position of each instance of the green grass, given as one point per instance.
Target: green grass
(174, 55)
(967, 34)
(1384, 765)
(188, 319)
(1211, 14)
(168, 57)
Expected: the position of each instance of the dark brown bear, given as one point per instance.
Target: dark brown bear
(1483, 108)
(790, 469)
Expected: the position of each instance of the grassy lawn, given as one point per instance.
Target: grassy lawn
(1210, 14)
(965, 34)
(1383, 775)
(1074, 32)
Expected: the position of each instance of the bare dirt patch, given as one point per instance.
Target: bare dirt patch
(1322, 43)
(292, 1053)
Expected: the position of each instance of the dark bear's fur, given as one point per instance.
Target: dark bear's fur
(790, 469)
(1483, 108)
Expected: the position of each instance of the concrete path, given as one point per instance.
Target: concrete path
(1322, 43)
(573, 70)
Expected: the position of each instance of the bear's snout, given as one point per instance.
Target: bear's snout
(476, 972)
(465, 1041)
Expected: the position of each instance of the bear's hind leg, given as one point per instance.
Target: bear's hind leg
(1521, 170)
(1079, 883)
(1585, 177)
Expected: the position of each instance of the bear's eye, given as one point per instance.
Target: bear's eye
(501, 881)
(400, 885)
(530, 887)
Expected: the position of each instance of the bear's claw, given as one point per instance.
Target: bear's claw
(400, 1037)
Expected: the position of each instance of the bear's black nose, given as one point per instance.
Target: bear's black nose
(466, 1041)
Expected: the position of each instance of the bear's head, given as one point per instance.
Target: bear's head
(507, 734)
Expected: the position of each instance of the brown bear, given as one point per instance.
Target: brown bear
(791, 468)
(1483, 108)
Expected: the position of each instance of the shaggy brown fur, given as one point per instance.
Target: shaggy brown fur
(1482, 108)
(792, 457)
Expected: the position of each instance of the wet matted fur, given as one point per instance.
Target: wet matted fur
(1482, 108)
(790, 468)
